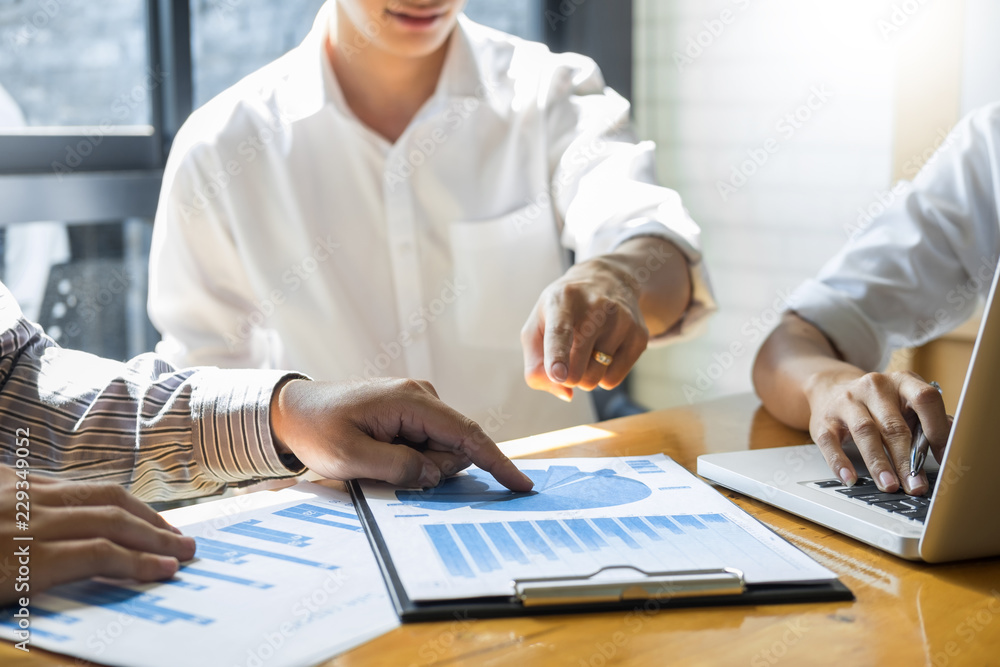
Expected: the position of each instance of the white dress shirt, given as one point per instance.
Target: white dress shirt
(919, 269)
(290, 235)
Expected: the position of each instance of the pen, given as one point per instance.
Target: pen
(918, 451)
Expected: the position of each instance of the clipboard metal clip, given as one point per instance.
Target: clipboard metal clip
(650, 586)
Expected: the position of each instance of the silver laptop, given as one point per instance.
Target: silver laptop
(958, 518)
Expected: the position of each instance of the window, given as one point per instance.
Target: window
(232, 38)
(74, 63)
(518, 17)
(82, 87)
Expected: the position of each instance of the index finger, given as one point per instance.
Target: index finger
(73, 494)
(446, 429)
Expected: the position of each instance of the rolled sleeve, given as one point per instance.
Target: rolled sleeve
(684, 234)
(232, 425)
(859, 340)
(918, 269)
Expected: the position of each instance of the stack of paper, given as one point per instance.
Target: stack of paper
(280, 578)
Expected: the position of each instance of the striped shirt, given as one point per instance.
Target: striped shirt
(161, 432)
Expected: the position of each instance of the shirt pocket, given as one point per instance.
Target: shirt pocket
(502, 265)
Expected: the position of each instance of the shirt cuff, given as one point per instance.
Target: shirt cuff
(837, 316)
(703, 304)
(232, 425)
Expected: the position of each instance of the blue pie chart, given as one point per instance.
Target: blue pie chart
(556, 488)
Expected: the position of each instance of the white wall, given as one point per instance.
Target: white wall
(981, 75)
(705, 113)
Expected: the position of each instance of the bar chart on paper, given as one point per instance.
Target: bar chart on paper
(677, 542)
(472, 537)
(270, 561)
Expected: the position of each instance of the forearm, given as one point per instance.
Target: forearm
(159, 432)
(661, 276)
(795, 361)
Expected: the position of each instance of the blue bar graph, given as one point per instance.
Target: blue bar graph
(181, 583)
(252, 528)
(450, 554)
(505, 544)
(689, 521)
(644, 467)
(10, 623)
(559, 536)
(638, 526)
(611, 528)
(54, 616)
(678, 541)
(226, 552)
(587, 535)
(126, 601)
(208, 574)
(477, 547)
(665, 523)
(532, 539)
(316, 514)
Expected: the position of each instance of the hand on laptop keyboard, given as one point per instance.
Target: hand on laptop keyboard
(878, 411)
(865, 491)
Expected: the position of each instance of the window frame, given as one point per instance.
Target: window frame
(120, 173)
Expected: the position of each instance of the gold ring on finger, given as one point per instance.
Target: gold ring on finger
(602, 358)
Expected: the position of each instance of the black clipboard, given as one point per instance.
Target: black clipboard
(648, 591)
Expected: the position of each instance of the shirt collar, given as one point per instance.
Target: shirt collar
(309, 83)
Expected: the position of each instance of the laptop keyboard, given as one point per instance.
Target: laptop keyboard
(865, 491)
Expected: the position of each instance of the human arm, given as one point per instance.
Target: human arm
(612, 303)
(352, 430)
(635, 244)
(906, 276)
(164, 433)
(802, 381)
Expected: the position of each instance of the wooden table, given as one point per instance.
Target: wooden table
(905, 613)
